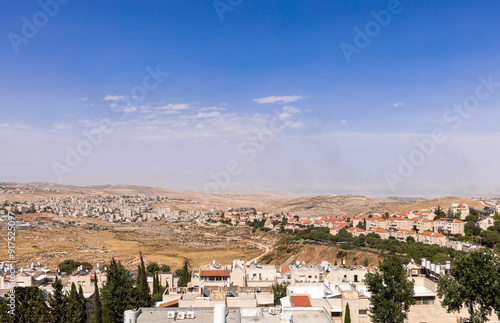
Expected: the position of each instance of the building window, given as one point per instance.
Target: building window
(363, 312)
(428, 301)
(356, 278)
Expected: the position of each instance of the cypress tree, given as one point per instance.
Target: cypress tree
(58, 302)
(347, 318)
(116, 294)
(82, 311)
(157, 289)
(97, 314)
(144, 296)
(30, 305)
(74, 314)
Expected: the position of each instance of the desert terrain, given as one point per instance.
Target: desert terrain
(172, 243)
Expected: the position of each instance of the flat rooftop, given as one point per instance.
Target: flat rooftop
(235, 315)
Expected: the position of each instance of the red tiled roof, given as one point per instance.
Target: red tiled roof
(285, 270)
(172, 303)
(406, 231)
(356, 229)
(300, 300)
(420, 219)
(434, 234)
(450, 220)
(379, 230)
(214, 273)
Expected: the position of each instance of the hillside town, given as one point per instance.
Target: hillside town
(247, 290)
(421, 225)
(322, 290)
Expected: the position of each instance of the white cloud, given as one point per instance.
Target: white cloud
(298, 125)
(289, 111)
(212, 114)
(129, 109)
(279, 99)
(211, 109)
(176, 106)
(170, 112)
(88, 123)
(343, 122)
(113, 98)
(15, 126)
(60, 126)
(399, 104)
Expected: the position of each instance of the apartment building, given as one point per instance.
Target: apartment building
(449, 226)
(418, 224)
(334, 230)
(403, 234)
(86, 279)
(485, 223)
(213, 275)
(462, 209)
(302, 274)
(246, 274)
(383, 233)
(432, 238)
(356, 231)
(376, 223)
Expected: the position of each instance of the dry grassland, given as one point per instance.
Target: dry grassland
(164, 243)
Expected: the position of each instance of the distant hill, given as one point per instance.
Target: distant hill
(358, 204)
(295, 204)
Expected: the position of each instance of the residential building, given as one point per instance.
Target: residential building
(486, 222)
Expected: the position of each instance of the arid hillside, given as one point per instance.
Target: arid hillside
(357, 204)
(163, 243)
(275, 202)
(313, 254)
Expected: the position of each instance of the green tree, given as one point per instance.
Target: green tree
(470, 228)
(165, 268)
(76, 306)
(279, 292)
(439, 213)
(30, 307)
(82, 310)
(361, 224)
(143, 295)
(58, 302)
(341, 254)
(68, 266)
(474, 284)
(97, 313)
(157, 289)
(391, 292)
(490, 238)
(5, 316)
(116, 294)
(347, 317)
(152, 268)
(184, 274)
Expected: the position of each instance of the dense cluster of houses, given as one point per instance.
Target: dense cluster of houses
(40, 276)
(419, 225)
(321, 291)
(112, 208)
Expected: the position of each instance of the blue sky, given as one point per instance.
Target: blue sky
(352, 125)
